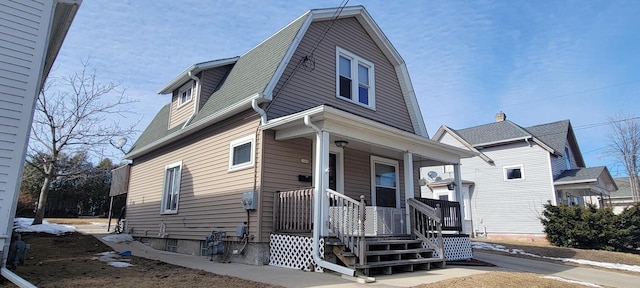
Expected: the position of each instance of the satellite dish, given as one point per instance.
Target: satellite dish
(432, 175)
(120, 143)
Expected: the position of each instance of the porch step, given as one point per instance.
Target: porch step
(397, 252)
(395, 266)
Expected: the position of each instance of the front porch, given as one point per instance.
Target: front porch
(370, 239)
(362, 201)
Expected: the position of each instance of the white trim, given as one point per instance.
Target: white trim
(388, 162)
(164, 211)
(251, 139)
(356, 61)
(519, 166)
(186, 87)
(194, 69)
(339, 166)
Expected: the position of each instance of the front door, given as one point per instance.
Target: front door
(385, 190)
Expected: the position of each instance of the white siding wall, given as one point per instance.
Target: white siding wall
(24, 31)
(508, 207)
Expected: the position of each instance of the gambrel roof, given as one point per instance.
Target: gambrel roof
(255, 74)
(550, 136)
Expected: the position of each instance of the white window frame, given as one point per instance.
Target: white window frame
(355, 61)
(187, 87)
(389, 162)
(238, 142)
(165, 189)
(506, 168)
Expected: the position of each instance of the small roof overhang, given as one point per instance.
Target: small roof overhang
(596, 179)
(194, 69)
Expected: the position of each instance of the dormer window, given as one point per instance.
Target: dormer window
(354, 79)
(185, 94)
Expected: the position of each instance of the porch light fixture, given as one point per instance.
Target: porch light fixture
(341, 143)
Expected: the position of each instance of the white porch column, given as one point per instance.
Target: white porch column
(459, 196)
(408, 186)
(321, 179)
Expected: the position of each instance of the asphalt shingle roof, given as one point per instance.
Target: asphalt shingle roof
(250, 75)
(581, 174)
(553, 134)
(156, 129)
(624, 187)
(492, 132)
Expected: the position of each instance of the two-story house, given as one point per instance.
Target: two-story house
(288, 144)
(516, 172)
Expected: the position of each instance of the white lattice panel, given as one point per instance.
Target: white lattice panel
(455, 248)
(290, 251)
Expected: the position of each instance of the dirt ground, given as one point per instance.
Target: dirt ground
(66, 261)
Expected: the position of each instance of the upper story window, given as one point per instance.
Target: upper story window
(241, 153)
(185, 94)
(513, 172)
(355, 79)
(171, 192)
(567, 157)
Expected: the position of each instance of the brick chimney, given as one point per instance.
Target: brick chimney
(501, 116)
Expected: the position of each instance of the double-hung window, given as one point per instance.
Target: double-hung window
(185, 94)
(171, 192)
(355, 79)
(241, 153)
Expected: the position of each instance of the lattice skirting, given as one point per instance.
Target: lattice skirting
(455, 248)
(290, 251)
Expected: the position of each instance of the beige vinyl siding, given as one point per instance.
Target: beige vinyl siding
(210, 195)
(179, 114)
(210, 79)
(282, 165)
(305, 89)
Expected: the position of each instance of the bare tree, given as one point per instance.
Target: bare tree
(74, 113)
(624, 144)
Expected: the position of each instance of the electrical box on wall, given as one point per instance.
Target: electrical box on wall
(250, 200)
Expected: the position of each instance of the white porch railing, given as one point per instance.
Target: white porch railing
(346, 221)
(293, 210)
(426, 224)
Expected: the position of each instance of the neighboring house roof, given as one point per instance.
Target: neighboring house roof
(550, 136)
(624, 188)
(589, 175)
(256, 73)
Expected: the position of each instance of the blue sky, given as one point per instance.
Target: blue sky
(538, 61)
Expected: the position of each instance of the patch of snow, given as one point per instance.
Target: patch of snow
(118, 238)
(24, 225)
(571, 281)
(120, 264)
(99, 224)
(497, 247)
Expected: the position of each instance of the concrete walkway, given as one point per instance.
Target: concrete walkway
(282, 276)
(590, 275)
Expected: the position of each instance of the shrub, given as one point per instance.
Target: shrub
(590, 227)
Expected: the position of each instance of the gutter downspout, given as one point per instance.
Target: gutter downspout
(15, 279)
(263, 115)
(196, 104)
(317, 200)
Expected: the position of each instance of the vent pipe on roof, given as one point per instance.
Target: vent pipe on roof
(501, 116)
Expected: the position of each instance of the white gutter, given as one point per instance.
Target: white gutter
(196, 101)
(525, 138)
(317, 200)
(263, 115)
(19, 281)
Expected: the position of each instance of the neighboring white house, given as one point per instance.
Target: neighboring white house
(31, 34)
(517, 171)
(623, 198)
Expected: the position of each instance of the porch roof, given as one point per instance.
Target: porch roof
(366, 134)
(594, 178)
